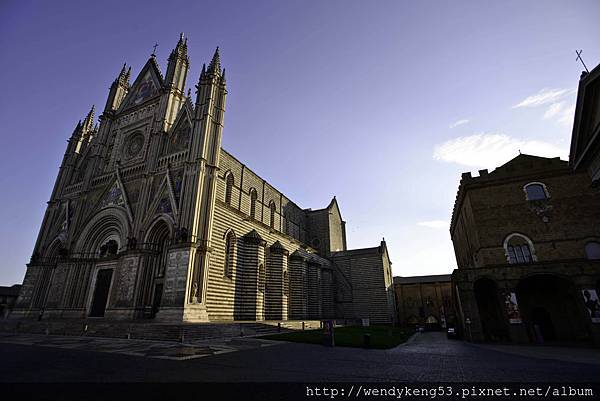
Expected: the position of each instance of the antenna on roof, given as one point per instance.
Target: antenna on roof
(580, 59)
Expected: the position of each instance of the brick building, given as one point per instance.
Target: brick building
(527, 241)
(527, 245)
(425, 301)
(151, 218)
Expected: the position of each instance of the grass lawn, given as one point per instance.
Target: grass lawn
(382, 337)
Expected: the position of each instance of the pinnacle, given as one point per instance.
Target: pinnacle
(215, 63)
(181, 48)
(89, 119)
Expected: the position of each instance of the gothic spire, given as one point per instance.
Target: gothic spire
(180, 49)
(88, 122)
(124, 75)
(215, 63)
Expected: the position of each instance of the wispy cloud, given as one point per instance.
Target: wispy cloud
(434, 224)
(459, 122)
(561, 112)
(567, 115)
(559, 107)
(553, 110)
(545, 96)
(491, 150)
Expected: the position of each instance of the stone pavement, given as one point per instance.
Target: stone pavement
(565, 354)
(430, 357)
(145, 348)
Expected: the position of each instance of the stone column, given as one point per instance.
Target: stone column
(249, 299)
(474, 330)
(298, 305)
(275, 300)
(517, 332)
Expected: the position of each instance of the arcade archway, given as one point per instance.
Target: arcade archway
(550, 307)
(493, 322)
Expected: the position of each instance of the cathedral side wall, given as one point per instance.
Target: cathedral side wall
(366, 274)
(221, 290)
(289, 218)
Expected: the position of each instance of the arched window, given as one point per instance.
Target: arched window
(592, 250)
(519, 249)
(273, 209)
(536, 191)
(228, 188)
(229, 253)
(253, 197)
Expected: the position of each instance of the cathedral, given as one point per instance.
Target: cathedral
(150, 218)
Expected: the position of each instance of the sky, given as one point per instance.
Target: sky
(382, 104)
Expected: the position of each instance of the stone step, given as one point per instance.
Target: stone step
(154, 331)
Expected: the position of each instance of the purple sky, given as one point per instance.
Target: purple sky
(382, 104)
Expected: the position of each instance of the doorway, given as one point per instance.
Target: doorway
(158, 290)
(100, 298)
(542, 323)
(493, 323)
(550, 308)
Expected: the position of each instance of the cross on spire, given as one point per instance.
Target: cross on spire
(580, 59)
(154, 50)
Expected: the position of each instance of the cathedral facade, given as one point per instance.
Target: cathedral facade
(150, 218)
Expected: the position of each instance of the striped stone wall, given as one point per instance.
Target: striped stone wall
(298, 305)
(368, 271)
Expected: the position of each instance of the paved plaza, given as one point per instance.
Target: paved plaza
(427, 357)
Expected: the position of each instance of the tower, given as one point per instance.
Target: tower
(201, 175)
(175, 79)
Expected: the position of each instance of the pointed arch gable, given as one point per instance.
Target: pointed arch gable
(164, 192)
(146, 86)
(115, 194)
(179, 136)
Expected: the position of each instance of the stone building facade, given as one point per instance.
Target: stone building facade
(527, 243)
(151, 218)
(425, 301)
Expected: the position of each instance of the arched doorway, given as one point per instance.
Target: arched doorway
(492, 319)
(542, 323)
(154, 267)
(549, 306)
(432, 323)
